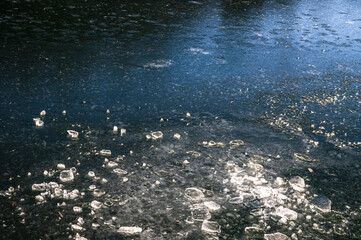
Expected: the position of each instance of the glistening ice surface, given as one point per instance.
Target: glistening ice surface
(180, 119)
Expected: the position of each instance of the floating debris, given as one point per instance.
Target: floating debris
(120, 172)
(60, 166)
(297, 183)
(188, 115)
(96, 205)
(154, 136)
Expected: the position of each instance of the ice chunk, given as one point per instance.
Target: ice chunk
(188, 115)
(115, 129)
(129, 231)
(91, 174)
(322, 203)
(200, 213)
(213, 144)
(279, 182)
(43, 113)
(254, 231)
(38, 122)
(76, 228)
(60, 166)
(276, 236)
(236, 200)
(41, 187)
(211, 227)
(66, 176)
(303, 157)
(98, 193)
(297, 183)
(96, 205)
(80, 221)
(64, 112)
(283, 212)
(177, 136)
(123, 132)
(119, 171)
(236, 143)
(112, 164)
(194, 194)
(105, 152)
(156, 135)
(212, 206)
(193, 153)
(78, 237)
(72, 134)
(39, 198)
(77, 209)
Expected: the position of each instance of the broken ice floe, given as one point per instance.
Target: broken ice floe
(66, 176)
(105, 152)
(129, 231)
(276, 236)
(38, 122)
(213, 144)
(322, 203)
(194, 194)
(154, 136)
(72, 134)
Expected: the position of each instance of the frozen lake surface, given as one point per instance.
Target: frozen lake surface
(164, 119)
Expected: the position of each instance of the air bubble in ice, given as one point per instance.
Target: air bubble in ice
(39, 198)
(276, 236)
(66, 176)
(105, 152)
(188, 115)
(254, 231)
(194, 194)
(211, 227)
(129, 231)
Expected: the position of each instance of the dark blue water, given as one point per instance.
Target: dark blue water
(283, 76)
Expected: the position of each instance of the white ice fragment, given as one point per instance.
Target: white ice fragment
(177, 136)
(103, 181)
(156, 135)
(188, 115)
(129, 231)
(236, 143)
(43, 113)
(115, 129)
(125, 179)
(77, 209)
(72, 134)
(91, 174)
(276, 236)
(92, 187)
(98, 193)
(105, 152)
(39, 198)
(236, 200)
(60, 166)
(45, 173)
(108, 111)
(185, 162)
(41, 187)
(123, 131)
(200, 213)
(120, 172)
(297, 183)
(212, 206)
(96, 205)
(38, 122)
(76, 228)
(64, 112)
(112, 164)
(279, 182)
(193, 153)
(66, 176)
(211, 227)
(80, 221)
(283, 212)
(194, 194)
(78, 237)
(322, 203)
